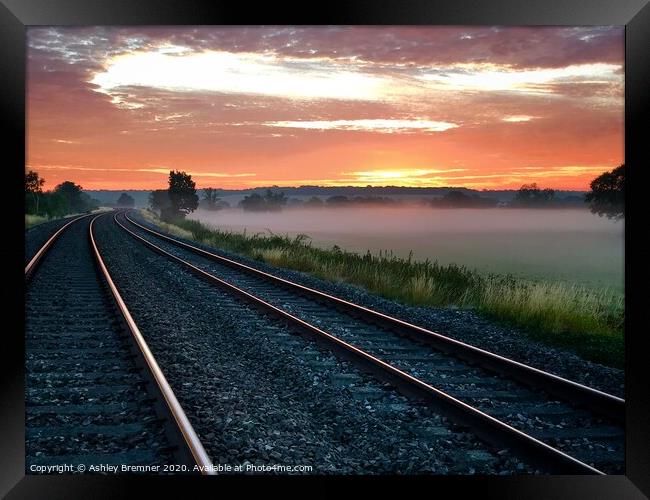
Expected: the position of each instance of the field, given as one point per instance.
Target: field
(571, 246)
(586, 317)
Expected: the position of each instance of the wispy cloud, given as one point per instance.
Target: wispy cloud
(491, 77)
(387, 126)
(161, 170)
(517, 118)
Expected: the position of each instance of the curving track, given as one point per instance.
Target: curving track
(94, 393)
(566, 427)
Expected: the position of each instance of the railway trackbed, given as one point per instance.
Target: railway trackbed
(560, 425)
(94, 393)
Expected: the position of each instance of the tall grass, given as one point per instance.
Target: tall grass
(32, 220)
(588, 321)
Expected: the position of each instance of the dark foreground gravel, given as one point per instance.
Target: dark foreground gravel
(86, 402)
(36, 236)
(259, 396)
(464, 325)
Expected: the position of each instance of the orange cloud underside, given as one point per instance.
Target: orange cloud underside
(103, 124)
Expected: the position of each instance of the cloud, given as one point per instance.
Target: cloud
(387, 126)
(491, 77)
(517, 118)
(404, 176)
(408, 46)
(159, 170)
(183, 70)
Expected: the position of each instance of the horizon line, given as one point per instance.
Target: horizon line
(340, 187)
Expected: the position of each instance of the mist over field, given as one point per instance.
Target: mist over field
(571, 245)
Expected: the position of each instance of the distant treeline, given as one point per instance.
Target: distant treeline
(340, 201)
(529, 196)
(458, 199)
(303, 193)
(382, 191)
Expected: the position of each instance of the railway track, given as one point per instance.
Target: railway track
(94, 393)
(562, 426)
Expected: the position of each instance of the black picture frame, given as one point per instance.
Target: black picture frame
(15, 15)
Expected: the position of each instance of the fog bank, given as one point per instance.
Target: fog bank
(572, 245)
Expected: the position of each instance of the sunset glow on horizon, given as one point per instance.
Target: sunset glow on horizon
(241, 107)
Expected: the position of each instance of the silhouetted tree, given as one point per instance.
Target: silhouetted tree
(33, 189)
(182, 194)
(530, 195)
(459, 199)
(159, 200)
(88, 203)
(275, 200)
(607, 196)
(253, 202)
(314, 201)
(125, 200)
(338, 200)
(271, 201)
(211, 198)
(77, 200)
(55, 204)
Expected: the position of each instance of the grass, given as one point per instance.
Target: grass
(32, 220)
(587, 321)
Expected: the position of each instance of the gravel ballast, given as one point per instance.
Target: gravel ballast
(259, 395)
(464, 325)
(36, 236)
(86, 401)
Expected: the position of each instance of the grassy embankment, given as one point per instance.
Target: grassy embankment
(588, 321)
(32, 220)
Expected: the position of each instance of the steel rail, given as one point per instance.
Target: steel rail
(485, 426)
(575, 393)
(33, 263)
(189, 434)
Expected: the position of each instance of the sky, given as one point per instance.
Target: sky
(241, 107)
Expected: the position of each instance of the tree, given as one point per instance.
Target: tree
(337, 200)
(530, 195)
(87, 203)
(271, 201)
(34, 187)
(460, 199)
(211, 198)
(125, 200)
(275, 200)
(182, 194)
(253, 202)
(607, 196)
(159, 200)
(55, 204)
(72, 193)
(314, 201)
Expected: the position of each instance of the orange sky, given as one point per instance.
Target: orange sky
(481, 107)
